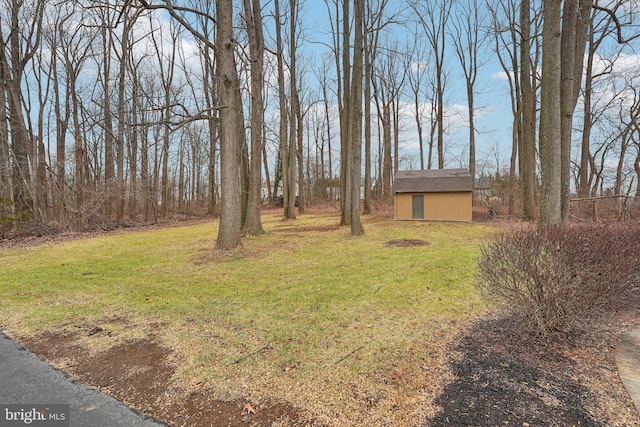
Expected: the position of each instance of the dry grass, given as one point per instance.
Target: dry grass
(350, 330)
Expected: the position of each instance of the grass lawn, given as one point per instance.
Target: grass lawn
(349, 329)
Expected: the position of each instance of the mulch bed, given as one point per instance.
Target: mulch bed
(505, 376)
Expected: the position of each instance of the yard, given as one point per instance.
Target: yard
(305, 325)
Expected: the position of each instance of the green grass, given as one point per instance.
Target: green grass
(306, 313)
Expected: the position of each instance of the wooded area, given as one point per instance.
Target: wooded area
(127, 110)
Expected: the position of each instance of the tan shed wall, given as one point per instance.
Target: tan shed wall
(437, 206)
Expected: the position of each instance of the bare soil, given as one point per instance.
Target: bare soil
(137, 373)
(406, 242)
(301, 229)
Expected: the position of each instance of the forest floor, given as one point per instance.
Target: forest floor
(498, 375)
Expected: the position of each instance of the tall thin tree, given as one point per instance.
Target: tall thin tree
(253, 18)
(230, 231)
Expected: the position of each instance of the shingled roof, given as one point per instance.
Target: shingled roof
(432, 181)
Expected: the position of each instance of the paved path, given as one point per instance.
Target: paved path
(628, 363)
(25, 379)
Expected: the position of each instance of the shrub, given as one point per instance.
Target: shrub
(557, 276)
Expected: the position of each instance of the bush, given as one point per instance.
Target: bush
(561, 275)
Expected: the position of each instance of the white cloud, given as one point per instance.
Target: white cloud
(501, 75)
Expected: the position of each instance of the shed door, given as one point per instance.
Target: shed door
(417, 206)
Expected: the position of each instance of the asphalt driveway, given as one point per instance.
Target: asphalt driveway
(27, 382)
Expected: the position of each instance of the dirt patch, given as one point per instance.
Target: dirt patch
(402, 243)
(56, 347)
(138, 373)
(200, 410)
(139, 378)
(307, 228)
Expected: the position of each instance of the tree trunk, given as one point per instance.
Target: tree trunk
(345, 171)
(355, 120)
(211, 99)
(367, 132)
(253, 18)
(133, 151)
(6, 179)
(62, 124)
(244, 161)
(283, 158)
(230, 232)
(120, 173)
(299, 159)
(585, 142)
(527, 158)
(265, 162)
(550, 126)
(109, 167)
(575, 25)
(325, 99)
(294, 111)
(395, 108)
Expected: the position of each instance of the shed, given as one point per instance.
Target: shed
(436, 195)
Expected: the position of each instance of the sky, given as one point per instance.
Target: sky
(494, 115)
(493, 108)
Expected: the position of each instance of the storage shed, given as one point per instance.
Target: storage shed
(436, 195)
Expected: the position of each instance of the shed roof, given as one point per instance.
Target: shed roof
(433, 181)
(484, 183)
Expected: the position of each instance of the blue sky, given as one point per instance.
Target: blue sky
(494, 117)
(493, 109)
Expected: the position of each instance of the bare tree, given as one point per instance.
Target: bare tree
(295, 114)
(467, 42)
(601, 28)
(324, 84)
(253, 19)
(383, 99)
(343, 70)
(355, 119)
(504, 18)
(433, 16)
(374, 23)
(230, 233)
(575, 25)
(284, 153)
(550, 126)
(527, 139)
(417, 63)
(20, 34)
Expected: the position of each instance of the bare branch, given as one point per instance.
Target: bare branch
(614, 18)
